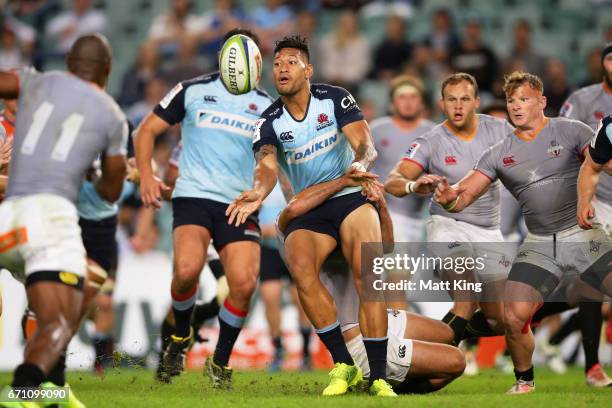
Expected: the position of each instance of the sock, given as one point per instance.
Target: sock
(590, 318)
(166, 331)
(331, 336)
(57, 375)
(376, 349)
(478, 326)
(471, 342)
(570, 326)
(204, 311)
(549, 309)
(415, 386)
(457, 324)
(231, 320)
(182, 306)
(103, 346)
(27, 375)
(276, 340)
(526, 375)
(305, 331)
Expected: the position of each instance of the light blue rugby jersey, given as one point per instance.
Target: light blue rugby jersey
(91, 206)
(312, 150)
(216, 134)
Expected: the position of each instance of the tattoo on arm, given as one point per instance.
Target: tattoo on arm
(365, 154)
(264, 151)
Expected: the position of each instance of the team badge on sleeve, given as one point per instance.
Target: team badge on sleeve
(257, 131)
(412, 150)
(170, 95)
(566, 109)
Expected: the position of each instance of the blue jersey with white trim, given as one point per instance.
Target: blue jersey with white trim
(91, 206)
(312, 150)
(216, 134)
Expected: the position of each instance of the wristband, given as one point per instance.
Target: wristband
(409, 186)
(450, 206)
(359, 167)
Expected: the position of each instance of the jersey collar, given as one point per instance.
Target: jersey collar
(305, 113)
(535, 134)
(468, 138)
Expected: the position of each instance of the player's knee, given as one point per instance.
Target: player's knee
(186, 274)
(302, 271)
(514, 319)
(244, 287)
(456, 363)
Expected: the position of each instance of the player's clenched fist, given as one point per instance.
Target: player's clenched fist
(445, 194)
(585, 214)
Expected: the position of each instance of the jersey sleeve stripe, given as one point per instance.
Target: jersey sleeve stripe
(415, 162)
(484, 174)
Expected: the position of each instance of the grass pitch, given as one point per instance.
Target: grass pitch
(136, 388)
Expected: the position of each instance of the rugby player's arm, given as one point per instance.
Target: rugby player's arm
(3, 185)
(404, 172)
(266, 170)
(110, 184)
(310, 198)
(172, 173)
(461, 195)
(149, 129)
(9, 85)
(588, 179)
(359, 136)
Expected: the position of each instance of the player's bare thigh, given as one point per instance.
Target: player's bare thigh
(435, 360)
(189, 243)
(306, 250)
(426, 329)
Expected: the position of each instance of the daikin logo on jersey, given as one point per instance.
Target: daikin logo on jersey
(314, 148)
(226, 121)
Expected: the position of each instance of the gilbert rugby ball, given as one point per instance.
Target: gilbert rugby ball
(240, 64)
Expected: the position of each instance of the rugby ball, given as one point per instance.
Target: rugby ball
(240, 64)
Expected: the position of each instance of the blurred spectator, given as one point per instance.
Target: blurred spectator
(138, 75)
(443, 38)
(11, 52)
(66, 27)
(155, 90)
(306, 26)
(34, 13)
(169, 28)
(556, 88)
(346, 53)
(475, 58)
(379, 8)
(394, 51)
(186, 64)
(522, 51)
(272, 21)
(224, 16)
(343, 4)
(593, 67)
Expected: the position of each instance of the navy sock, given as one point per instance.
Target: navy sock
(182, 306)
(305, 332)
(589, 314)
(231, 320)
(526, 375)
(27, 375)
(458, 325)
(331, 336)
(57, 375)
(376, 349)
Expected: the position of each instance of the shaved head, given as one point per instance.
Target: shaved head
(90, 58)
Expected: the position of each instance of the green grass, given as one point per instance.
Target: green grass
(136, 388)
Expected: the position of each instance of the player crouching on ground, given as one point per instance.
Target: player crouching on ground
(417, 360)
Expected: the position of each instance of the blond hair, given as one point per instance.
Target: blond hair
(516, 79)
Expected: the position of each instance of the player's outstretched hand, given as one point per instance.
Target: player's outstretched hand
(244, 205)
(585, 214)
(6, 148)
(445, 193)
(151, 191)
(427, 184)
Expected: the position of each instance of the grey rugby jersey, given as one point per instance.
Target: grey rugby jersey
(542, 174)
(441, 152)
